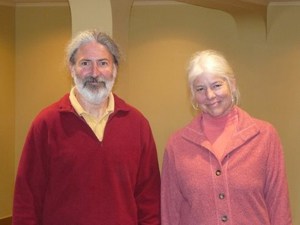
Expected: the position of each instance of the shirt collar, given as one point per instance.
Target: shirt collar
(78, 108)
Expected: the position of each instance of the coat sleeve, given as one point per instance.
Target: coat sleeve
(147, 190)
(31, 179)
(171, 197)
(276, 188)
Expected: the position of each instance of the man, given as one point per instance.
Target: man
(90, 158)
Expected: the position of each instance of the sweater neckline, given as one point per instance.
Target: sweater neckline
(218, 124)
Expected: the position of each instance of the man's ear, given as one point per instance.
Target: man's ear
(71, 69)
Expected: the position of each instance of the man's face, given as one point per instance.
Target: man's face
(94, 72)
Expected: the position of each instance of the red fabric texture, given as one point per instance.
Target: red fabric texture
(66, 176)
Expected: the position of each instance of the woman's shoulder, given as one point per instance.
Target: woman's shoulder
(263, 125)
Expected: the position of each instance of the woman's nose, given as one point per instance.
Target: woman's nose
(210, 93)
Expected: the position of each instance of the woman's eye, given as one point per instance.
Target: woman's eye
(199, 89)
(217, 85)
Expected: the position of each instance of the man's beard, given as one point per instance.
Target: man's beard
(94, 89)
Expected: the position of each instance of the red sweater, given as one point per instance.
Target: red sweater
(67, 176)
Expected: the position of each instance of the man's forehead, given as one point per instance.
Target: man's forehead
(93, 50)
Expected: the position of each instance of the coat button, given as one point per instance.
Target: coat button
(218, 172)
(221, 196)
(224, 218)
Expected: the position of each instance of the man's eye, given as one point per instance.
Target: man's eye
(103, 63)
(84, 63)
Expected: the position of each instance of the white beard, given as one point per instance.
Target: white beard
(94, 94)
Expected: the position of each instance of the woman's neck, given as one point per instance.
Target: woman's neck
(218, 123)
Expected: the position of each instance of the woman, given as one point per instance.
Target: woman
(225, 167)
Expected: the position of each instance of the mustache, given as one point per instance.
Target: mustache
(94, 80)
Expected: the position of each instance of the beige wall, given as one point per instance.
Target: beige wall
(41, 77)
(97, 14)
(7, 100)
(162, 39)
(33, 75)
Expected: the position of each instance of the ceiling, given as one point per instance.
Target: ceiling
(258, 2)
(32, 1)
(234, 7)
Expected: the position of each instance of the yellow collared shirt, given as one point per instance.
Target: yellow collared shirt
(97, 125)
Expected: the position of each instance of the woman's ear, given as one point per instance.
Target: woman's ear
(233, 85)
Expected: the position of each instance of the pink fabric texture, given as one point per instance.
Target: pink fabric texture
(246, 186)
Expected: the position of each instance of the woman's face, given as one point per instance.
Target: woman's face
(213, 94)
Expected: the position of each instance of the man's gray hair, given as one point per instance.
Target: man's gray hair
(89, 36)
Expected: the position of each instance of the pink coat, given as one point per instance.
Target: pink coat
(247, 187)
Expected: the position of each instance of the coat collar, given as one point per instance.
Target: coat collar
(246, 129)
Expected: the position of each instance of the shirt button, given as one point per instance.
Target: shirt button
(218, 172)
(224, 218)
(221, 196)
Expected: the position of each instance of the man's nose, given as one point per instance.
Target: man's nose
(96, 70)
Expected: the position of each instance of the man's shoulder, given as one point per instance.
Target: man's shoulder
(53, 110)
(122, 106)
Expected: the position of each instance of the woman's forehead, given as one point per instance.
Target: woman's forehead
(209, 77)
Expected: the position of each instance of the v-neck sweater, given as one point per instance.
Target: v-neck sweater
(66, 176)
